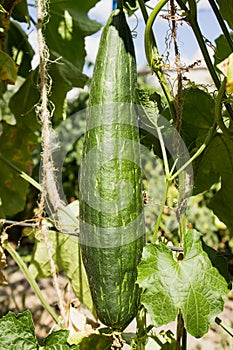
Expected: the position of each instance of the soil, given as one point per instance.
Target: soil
(18, 296)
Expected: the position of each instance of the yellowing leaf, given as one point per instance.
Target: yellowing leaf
(226, 67)
(8, 69)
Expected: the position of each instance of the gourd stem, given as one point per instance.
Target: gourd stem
(17, 258)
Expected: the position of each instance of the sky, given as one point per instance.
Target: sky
(187, 43)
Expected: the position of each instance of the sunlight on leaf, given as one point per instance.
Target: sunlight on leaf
(2, 10)
(65, 28)
(191, 285)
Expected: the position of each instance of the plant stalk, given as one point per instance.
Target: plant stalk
(151, 50)
(31, 281)
(227, 329)
(209, 137)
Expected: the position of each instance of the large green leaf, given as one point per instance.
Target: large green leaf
(222, 50)
(20, 12)
(18, 47)
(216, 164)
(226, 9)
(24, 101)
(191, 285)
(65, 31)
(17, 332)
(67, 27)
(95, 342)
(197, 116)
(58, 341)
(16, 145)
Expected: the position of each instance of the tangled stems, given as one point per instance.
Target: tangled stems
(152, 55)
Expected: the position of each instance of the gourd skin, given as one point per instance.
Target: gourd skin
(111, 204)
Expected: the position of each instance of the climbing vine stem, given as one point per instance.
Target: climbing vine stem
(153, 58)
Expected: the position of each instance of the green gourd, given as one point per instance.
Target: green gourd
(111, 203)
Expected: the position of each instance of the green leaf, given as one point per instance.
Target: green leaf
(58, 341)
(20, 12)
(17, 332)
(222, 50)
(218, 261)
(191, 285)
(197, 116)
(8, 69)
(67, 27)
(96, 342)
(216, 164)
(18, 47)
(226, 10)
(18, 150)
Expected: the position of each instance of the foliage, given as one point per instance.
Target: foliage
(187, 282)
(170, 286)
(18, 331)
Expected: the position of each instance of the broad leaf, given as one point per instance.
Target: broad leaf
(18, 47)
(67, 27)
(226, 9)
(191, 285)
(222, 50)
(17, 332)
(58, 341)
(18, 150)
(23, 102)
(96, 341)
(197, 116)
(20, 12)
(214, 165)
